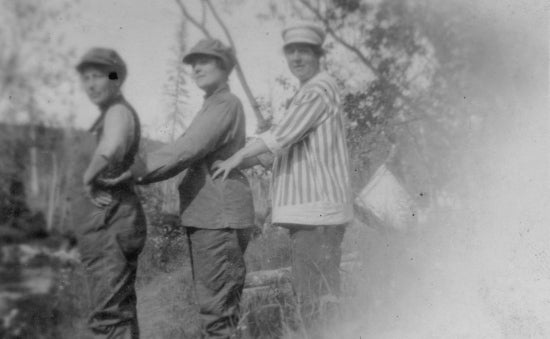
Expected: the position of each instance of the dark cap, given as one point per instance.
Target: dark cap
(103, 57)
(215, 48)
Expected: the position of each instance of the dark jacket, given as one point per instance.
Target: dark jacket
(216, 133)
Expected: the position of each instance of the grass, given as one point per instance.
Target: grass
(166, 301)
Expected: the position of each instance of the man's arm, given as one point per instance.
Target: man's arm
(113, 143)
(264, 159)
(303, 116)
(247, 153)
(201, 137)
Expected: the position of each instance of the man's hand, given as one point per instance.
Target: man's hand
(215, 165)
(98, 198)
(223, 168)
(126, 176)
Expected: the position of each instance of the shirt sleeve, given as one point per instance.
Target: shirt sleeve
(116, 135)
(304, 113)
(205, 134)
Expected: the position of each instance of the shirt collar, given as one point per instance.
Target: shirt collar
(221, 89)
(310, 80)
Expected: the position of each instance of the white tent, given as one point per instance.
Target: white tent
(386, 199)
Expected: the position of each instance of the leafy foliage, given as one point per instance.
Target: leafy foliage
(29, 30)
(405, 86)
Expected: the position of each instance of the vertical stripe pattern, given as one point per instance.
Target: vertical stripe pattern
(312, 161)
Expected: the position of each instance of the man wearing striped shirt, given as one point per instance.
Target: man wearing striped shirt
(311, 183)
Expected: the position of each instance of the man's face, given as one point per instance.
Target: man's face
(207, 73)
(97, 85)
(302, 61)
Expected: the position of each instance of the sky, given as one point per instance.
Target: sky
(144, 34)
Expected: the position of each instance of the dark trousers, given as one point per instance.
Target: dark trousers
(218, 273)
(110, 241)
(316, 255)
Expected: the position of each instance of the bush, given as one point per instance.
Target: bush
(59, 313)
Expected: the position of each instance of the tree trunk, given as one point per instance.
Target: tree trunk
(35, 189)
(52, 199)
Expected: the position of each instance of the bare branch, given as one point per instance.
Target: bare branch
(360, 55)
(297, 10)
(339, 39)
(220, 22)
(262, 123)
(203, 9)
(189, 17)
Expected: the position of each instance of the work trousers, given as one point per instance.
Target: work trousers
(316, 256)
(218, 273)
(110, 241)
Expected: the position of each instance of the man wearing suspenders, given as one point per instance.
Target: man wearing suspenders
(112, 234)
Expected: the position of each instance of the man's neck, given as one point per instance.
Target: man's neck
(214, 89)
(104, 106)
(303, 82)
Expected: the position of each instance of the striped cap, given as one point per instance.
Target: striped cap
(303, 32)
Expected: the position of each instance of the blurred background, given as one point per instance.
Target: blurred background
(447, 108)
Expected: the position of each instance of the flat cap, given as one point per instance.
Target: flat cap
(104, 57)
(307, 32)
(213, 47)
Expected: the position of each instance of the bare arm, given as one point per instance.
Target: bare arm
(247, 154)
(112, 144)
(305, 113)
(111, 147)
(264, 159)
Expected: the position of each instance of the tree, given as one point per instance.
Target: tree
(29, 31)
(34, 61)
(175, 86)
(177, 96)
(403, 67)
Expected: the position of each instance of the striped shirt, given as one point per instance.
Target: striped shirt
(311, 181)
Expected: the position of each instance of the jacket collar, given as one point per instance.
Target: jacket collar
(221, 89)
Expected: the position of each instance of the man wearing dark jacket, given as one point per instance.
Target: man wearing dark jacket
(217, 214)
